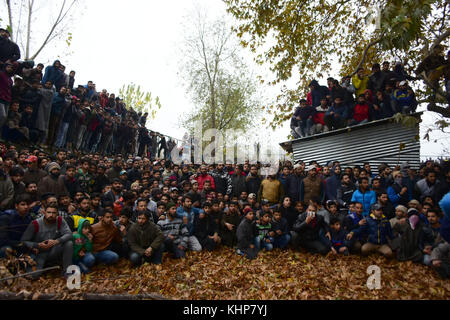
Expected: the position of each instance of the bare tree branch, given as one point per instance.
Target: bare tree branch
(363, 58)
(61, 16)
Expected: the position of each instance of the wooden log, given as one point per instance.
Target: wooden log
(146, 296)
(6, 295)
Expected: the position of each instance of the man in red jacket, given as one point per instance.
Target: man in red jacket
(5, 91)
(202, 177)
(360, 112)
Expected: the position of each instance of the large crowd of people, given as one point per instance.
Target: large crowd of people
(44, 107)
(65, 207)
(364, 97)
(60, 208)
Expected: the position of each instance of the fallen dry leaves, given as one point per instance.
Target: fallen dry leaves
(286, 275)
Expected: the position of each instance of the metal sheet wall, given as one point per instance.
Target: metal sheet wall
(374, 144)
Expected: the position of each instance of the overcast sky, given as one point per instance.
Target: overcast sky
(117, 42)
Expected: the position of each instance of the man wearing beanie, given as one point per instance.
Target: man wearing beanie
(53, 183)
(401, 212)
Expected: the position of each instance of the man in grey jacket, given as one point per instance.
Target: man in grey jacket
(50, 239)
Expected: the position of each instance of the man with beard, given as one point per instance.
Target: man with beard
(312, 186)
(134, 173)
(398, 192)
(332, 183)
(253, 180)
(194, 194)
(271, 189)
(31, 191)
(107, 240)
(114, 172)
(222, 180)
(84, 212)
(101, 180)
(50, 239)
(33, 174)
(53, 183)
(294, 182)
(115, 193)
(185, 174)
(386, 205)
(202, 177)
(146, 241)
(376, 186)
(365, 196)
(142, 207)
(61, 156)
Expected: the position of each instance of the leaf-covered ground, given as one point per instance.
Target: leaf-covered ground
(273, 275)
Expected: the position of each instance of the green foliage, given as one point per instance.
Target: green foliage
(141, 101)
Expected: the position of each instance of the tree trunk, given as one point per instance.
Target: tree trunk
(8, 4)
(6, 295)
(30, 13)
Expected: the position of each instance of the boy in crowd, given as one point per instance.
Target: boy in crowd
(338, 235)
(263, 226)
(246, 233)
(124, 224)
(280, 230)
(82, 246)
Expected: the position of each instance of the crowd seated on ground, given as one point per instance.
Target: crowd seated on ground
(65, 209)
(44, 107)
(355, 100)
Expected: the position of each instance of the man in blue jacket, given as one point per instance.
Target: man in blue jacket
(13, 224)
(305, 115)
(336, 116)
(187, 212)
(379, 232)
(365, 196)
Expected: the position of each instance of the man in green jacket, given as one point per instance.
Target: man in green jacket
(146, 241)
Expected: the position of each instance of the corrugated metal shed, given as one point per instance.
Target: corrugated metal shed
(375, 142)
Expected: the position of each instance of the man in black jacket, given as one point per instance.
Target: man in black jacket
(253, 180)
(222, 180)
(306, 231)
(345, 191)
(294, 183)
